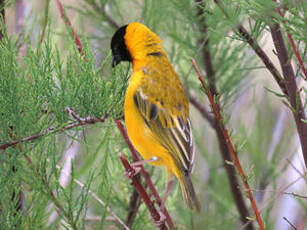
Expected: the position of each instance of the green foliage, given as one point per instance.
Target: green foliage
(38, 85)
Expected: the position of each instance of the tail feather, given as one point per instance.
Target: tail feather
(189, 194)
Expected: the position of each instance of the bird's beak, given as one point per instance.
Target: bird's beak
(115, 61)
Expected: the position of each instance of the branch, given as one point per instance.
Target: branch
(51, 130)
(226, 155)
(144, 172)
(229, 144)
(134, 205)
(203, 111)
(293, 93)
(294, 48)
(68, 25)
(142, 192)
(261, 54)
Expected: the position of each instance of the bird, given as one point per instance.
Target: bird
(156, 108)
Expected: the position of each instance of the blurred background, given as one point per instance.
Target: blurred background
(80, 162)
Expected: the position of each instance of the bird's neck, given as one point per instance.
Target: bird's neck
(143, 46)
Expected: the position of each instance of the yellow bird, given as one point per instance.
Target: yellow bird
(156, 107)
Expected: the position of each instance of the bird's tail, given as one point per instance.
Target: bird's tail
(188, 193)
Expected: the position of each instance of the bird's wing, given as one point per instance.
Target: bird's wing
(168, 121)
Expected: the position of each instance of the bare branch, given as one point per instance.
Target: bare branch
(224, 131)
(203, 110)
(51, 130)
(293, 92)
(144, 172)
(142, 192)
(214, 122)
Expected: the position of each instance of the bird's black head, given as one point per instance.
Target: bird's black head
(118, 47)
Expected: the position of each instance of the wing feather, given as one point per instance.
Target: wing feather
(172, 131)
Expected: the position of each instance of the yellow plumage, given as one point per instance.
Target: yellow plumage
(156, 108)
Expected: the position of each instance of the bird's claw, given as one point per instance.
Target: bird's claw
(132, 173)
(161, 221)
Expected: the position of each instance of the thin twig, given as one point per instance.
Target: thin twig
(139, 187)
(283, 193)
(296, 169)
(144, 172)
(294, 97)
(230, 145)
(51, 130)
(292, 225)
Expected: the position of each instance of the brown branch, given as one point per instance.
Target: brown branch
(294, 48)
(230, 146)
(203, 111)
(293, 92)
(142, 192)
(144, 172)
(206, 49)
(83, 122)
(225, 152)
(68, 25)
(134, 205)
(264, 58)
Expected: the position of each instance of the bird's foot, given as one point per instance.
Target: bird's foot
(142, 162)
(133, 172)
(158, 223)
(137, 167)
